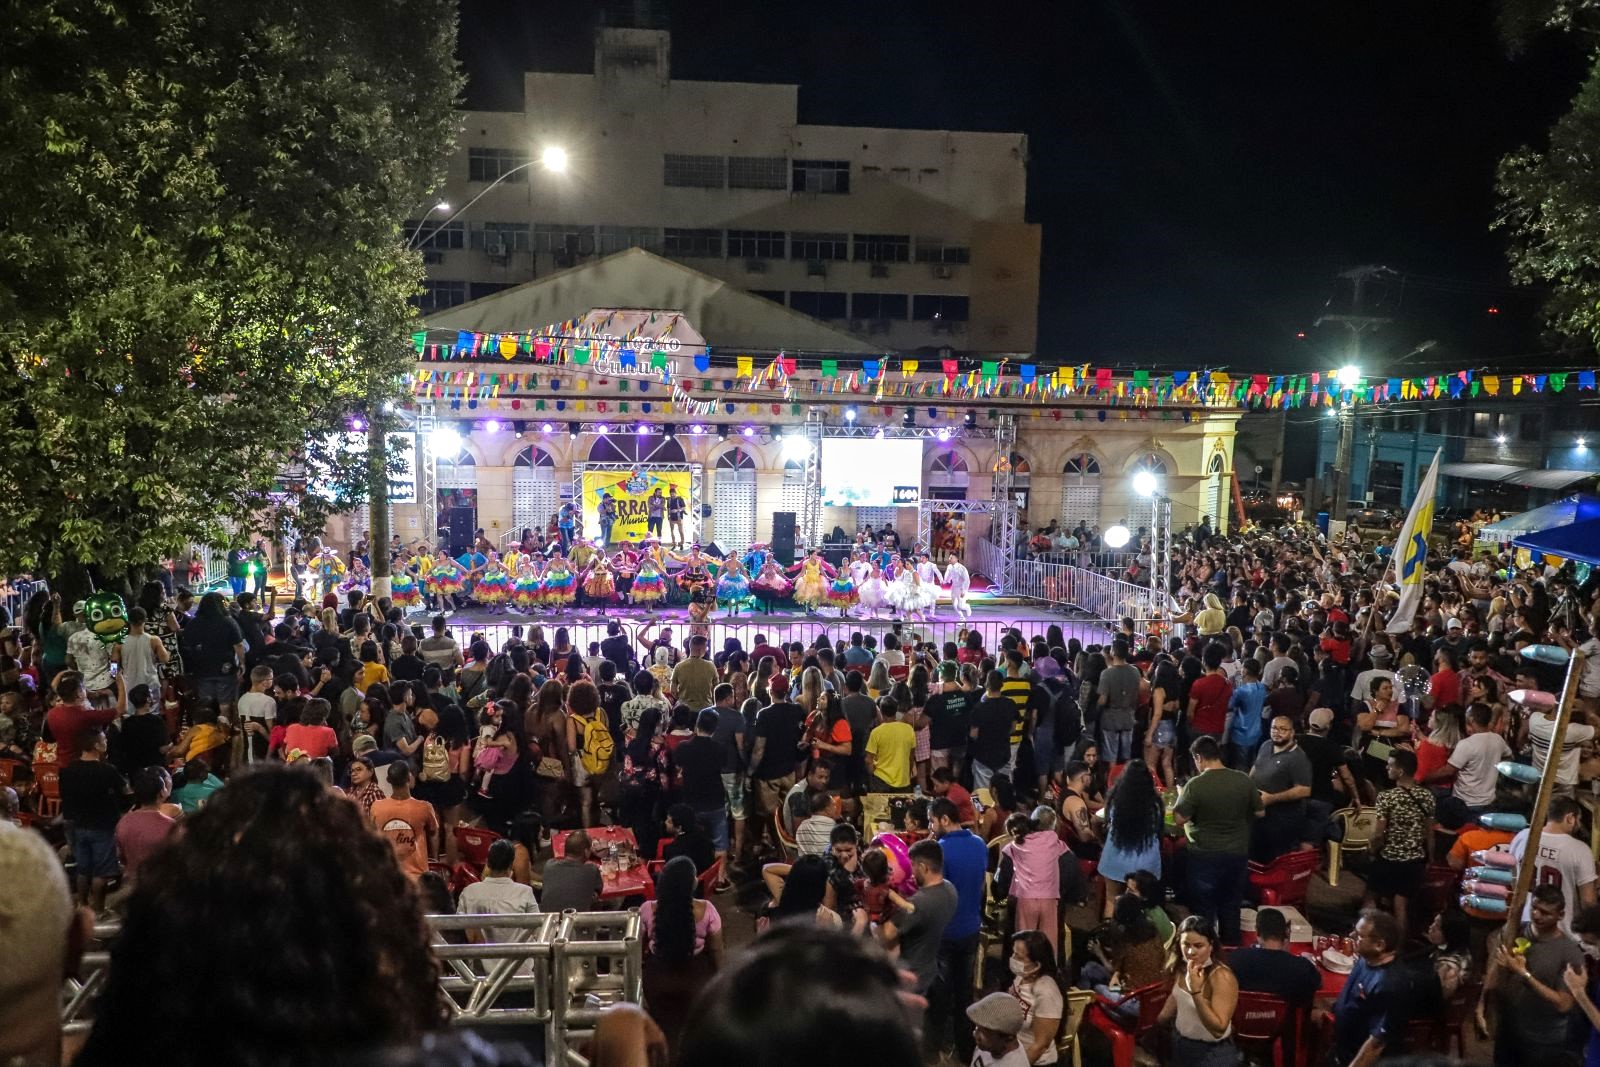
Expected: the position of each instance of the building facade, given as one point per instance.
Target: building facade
(914, 239)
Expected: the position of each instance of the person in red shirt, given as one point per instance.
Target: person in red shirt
(68, 719)
(1337, 643)
(1446, 687)
(779, 657)
(1209, 695)
(410, 824)
(945, 785)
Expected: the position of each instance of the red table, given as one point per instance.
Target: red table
(1332, 982)
(633, 882)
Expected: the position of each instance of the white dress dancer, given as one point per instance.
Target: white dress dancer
(960, 583)
(912, 597)
(872, 592)
(928, 571)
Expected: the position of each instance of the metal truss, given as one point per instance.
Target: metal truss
(1003, 527)
(926, 508)
(428, 475)
(811, 517)
(950, 433)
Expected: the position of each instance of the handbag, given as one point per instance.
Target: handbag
(549, 767)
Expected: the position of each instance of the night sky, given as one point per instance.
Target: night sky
(1202, 171)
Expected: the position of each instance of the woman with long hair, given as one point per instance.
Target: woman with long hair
(1161, 737)
(766, 667)
(1434, 750)
(801, 899)
(1133, 820)
(917, 689)
(878, 681)
(546, 727)
(1037, 987)
(646, 773)
(683, 946)
(1203, 998)
(1128, 952)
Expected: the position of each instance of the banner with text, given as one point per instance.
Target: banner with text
(631, 492)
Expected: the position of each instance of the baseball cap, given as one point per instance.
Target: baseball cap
(361, 744)
(1453, 624)
(1321, 718)
(1000, 1012)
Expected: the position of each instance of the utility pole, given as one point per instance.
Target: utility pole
(378, 499)
(1357, 321)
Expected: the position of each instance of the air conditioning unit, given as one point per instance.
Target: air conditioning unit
(880, 270)
(816, 268)
(496, 247)
(756, 266)
(943, 270)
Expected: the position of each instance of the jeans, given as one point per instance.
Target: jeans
(1046, 754)
(952, 992)
(236, 584)
(605, 534)
(1116, 746)
(1214, 888)
(715, 821)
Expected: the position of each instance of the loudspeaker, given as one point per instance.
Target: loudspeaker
(713, 551)
(783, 534)
(462, 522)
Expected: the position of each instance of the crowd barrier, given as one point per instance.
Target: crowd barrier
(17, 594)
(1099, 595)
(1111, 564)
(555, 970)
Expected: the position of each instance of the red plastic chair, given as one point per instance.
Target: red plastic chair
(708, 880)
(1102, 1015)
(462, 876)
(9, 769)
(47, 782)
(1285, 880)
(473, 843)
(1263, 1023)
(1439, 884)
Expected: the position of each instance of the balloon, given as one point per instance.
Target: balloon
(1477, 903)
(1546, 653)
(108, 617)
(1518, 772)
(1497, 875)
(1414, 681)
(1533, 698)
(1503, 820)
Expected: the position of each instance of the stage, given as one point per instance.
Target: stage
(990, 620)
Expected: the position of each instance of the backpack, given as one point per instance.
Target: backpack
(1064, 710)
(598, 745)
(435, 760)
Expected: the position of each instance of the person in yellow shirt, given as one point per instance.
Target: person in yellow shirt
(372, 672)
(890, 747)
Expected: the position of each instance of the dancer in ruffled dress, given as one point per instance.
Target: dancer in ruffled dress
(649, 582)
(755, 557)
(696, 572)
(445, 580)
(770, 584)
(624, 565)
(910, 596)
(600, 584)
(527, 592)
(328, 568)
(960, 583)
(842, 592)
(358, 578)
(733, 586)
(493, 589)
(403, 591)
(874, 593)
(560, 584)
(811, 587)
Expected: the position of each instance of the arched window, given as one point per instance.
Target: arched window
(948, 476)
(1080, 490)
(620, 446)
(1152, 463)
(733, 499)
(535, 490)
(1216, 499)
(794, 489)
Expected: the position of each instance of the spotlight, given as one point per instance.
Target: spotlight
(878, 432)
(445, 440)
(1116, 536)
(670, 431)
(545, 427)
(572, 430)
(1144, 483)
(697, 429)
(520, 425)
(358, 424)
(722, 433)
(909, 419)
(602, 429)
(643, 430)
(1582, 444)
(850, 414)
(749, 431)
(970, 420)
(796, 446)
(491, 425)
(1500, 439)
(1349, 376)
(776, 432)
(943, 434)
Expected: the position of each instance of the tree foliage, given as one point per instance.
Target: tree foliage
(202, 266)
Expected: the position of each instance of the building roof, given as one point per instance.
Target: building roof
(726, 316)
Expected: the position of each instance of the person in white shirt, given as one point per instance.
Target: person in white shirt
(1474, 758)
(997, 1022)
(498, 894)
(1542, 730)
(891, 654)
(815, 833)
(1382, 667)
(1563, 860)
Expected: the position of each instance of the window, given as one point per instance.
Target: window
(438, 295)
(508, 236)
(939, 308)
(438, 237)
(819, 246)
(1433, 421)
(479, 290)
(933, 250)
(694, 172)
(883, 247)
(755, 244)
(819, 305)
(681, 242)
(822, 175)
(774, 295)
(1152, 463)
(879, 306)
(622, 238)
(563, 237)
(492, 164)
(1482, 423)
(758, 172)
(1080, 490)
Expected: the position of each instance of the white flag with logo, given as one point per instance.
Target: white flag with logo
(1411, 551)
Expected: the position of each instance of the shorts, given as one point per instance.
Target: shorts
(715, 820)
(1392, 878)
(733, 785)
(770, 793)
(94, 852)
(922, 749)
(1166, 734)
(224, 688)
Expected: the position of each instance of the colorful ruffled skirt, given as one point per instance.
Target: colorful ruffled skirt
(493, 589)
(732, 588)
(810, 590)
(403, 592)
(774, 588)
(648, 586)
(842, 593)
(444, 580)
(528, 592)
(559, 589)
(601, 586)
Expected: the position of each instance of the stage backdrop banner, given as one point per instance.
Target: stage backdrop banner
(630, 491)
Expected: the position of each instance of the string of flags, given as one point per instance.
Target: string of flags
(586, 358)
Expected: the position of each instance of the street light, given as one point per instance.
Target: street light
(553, 159)
(440, 206)
(445, 441)
(1349, 376)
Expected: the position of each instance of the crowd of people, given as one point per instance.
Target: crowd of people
(885, 788)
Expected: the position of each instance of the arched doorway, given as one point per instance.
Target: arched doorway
(535, 491)
(1214, 500)
(733, 500)
(457, 488)
(622, 447)
(1080, 491)
(948, 476)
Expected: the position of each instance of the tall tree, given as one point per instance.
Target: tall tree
(202, 264)
(1550, 198)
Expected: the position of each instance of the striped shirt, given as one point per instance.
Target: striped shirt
(1542, 728)
(813, 836)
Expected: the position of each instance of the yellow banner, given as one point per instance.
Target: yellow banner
(630, 491)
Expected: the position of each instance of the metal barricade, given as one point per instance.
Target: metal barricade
(17, 595)
(1102, 596)
(557, 971)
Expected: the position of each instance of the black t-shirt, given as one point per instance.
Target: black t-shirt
(140, 739)
(993, 716)
(861, 713)
(619, 650)
(407, 668)
(612, 696)
(91, 794)
(252, 624)
(695, 844)
(701, 759)
(781, 724)
(1326, 757)
(208, 646)
(947, 718)
(1272, 970)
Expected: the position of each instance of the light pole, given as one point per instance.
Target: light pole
(1349, 377)
(1146, 484)
(552, 159)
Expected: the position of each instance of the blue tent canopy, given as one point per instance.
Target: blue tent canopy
(1564, 512)
(1579, 541)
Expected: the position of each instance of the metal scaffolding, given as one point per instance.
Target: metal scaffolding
(1003, 526)
(427, 475)
(811, 518)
